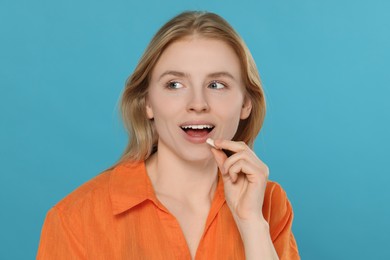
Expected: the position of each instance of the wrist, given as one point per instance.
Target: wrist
(257, 225)
(250, 220)
(255, 235)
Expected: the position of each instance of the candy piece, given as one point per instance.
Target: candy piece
(210, 142)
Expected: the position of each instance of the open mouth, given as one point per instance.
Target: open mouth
(197, 130)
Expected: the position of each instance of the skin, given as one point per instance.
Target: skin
(192, 97)
(198, 81)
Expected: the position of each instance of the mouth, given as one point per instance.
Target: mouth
(194, 130)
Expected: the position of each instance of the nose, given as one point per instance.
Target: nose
(198, 101)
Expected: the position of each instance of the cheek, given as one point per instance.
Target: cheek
(165, 112)
(230, 107)
(230, 118)
(161, 105)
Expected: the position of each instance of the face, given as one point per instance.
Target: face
(196, 92)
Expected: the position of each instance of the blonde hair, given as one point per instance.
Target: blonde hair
(142, 136)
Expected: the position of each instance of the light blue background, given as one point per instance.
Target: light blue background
(325, 69)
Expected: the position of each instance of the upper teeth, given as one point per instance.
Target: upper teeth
(197, 126)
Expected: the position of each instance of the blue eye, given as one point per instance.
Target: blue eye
(174, 85)
(216, 85)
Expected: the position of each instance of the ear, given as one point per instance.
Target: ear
(149, 110)
(246, 108)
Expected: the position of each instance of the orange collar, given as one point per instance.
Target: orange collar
(130, 185)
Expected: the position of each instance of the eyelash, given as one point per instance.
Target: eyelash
(218, 82)
(170, 83)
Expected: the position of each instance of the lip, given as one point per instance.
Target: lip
(197, 139)
(196, 123)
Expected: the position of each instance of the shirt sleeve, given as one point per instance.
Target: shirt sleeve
(60, 238)
(278, 211)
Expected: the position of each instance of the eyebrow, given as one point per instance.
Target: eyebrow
(173, 73)
(220, 74)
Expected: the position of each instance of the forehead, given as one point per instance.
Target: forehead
(197, 56)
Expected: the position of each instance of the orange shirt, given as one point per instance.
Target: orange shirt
(116, 215)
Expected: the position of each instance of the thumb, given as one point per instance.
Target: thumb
(220, 157)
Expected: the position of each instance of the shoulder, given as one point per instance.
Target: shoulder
(93, 193)
(278, 212)
(95, 187)
(275, 193)
(277, 209)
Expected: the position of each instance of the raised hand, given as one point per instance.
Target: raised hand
(245, 179)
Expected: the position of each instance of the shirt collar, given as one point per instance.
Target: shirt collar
(130, 185)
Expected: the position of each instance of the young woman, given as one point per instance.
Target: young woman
(173, 195)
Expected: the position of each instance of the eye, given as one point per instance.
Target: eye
(174, 85)
(216, 85)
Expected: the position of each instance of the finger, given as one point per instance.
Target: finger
(252, 172)
(248, 155)
(233, 146)
(241, 168)
(220, 157)
(234, 158)
(234, 171)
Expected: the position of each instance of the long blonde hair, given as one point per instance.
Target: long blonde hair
(142, 136)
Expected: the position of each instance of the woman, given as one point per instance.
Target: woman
(172, 195)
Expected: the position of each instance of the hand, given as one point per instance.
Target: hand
(245, 179)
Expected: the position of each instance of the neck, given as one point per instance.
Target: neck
(181, 179)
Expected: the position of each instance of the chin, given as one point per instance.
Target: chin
(197, 157)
